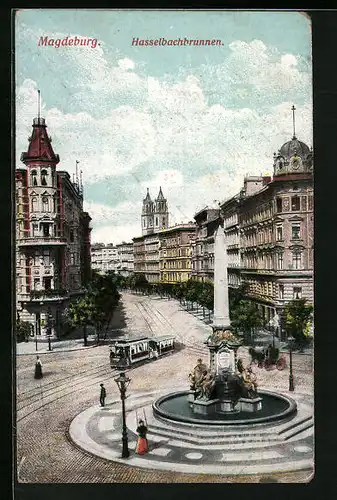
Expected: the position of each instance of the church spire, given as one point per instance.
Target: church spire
(147, 198)
(160, 196)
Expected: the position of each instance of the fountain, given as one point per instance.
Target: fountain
(225, 393)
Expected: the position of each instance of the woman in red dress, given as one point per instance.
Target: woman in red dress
(142, 444)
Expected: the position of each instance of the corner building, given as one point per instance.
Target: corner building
(276, 224)
(52, 237)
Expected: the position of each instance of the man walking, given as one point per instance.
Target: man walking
(102, 395)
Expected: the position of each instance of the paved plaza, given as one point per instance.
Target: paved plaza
(64, 436)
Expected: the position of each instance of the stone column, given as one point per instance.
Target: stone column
(221, 303)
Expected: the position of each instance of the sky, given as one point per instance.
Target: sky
(192, 119)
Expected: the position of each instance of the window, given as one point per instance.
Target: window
(295, 231)
(44, 174)
(46, 232)
(34, 177)
(281, 292)
(278, 204)
(297, 292)
(72, 258)
(47, 283)
(45, 204)
(280, 260)
(34, 204)
(297, 260)
(71, 235)
(295, 203)
(36, 283)
(46, 257)
(35, 229)
(279, 233)
(156, 221)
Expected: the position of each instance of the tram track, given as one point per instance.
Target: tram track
(53, 390)
(68, 391)
(34, 391)
(161, 319)
(40, 397)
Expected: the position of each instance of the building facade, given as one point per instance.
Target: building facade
(126, 259)
(154, 218)
(104, 258)
(52, 236)
(230, 217)
(146, 256)
(270, 232)
(175, 249)
(207, 221)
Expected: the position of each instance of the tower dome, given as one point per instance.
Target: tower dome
(290, 148)
(294, 156)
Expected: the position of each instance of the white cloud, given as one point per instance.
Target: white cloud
(115, 234)
(175, 129)
(126, 64)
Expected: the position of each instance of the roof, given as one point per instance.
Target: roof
(40, 148)
(294, 146)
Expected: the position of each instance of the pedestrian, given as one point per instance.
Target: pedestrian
(142, 444)
(102, 395)
(38, 368)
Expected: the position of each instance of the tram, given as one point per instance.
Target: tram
(127, 352)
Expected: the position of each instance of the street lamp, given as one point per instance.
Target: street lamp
(291, 378)
(123, 381)
(49, 326)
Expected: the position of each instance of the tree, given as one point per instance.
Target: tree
(23, 330)
(105, 298)
(206, 297)
(238, 294)
(299, 314)
(245, 317)
(80, 314)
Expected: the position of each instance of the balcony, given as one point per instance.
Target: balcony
(41, 240)
(50, 294)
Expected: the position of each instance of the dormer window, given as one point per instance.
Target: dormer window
(44, 174)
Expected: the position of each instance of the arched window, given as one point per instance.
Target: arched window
(34, 177)
(34, 204)
(45, 204)
(44, 174)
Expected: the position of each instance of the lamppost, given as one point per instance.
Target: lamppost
(291, 378)
(49, 327)
(123, 381)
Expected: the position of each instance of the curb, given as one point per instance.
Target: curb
(36, 353)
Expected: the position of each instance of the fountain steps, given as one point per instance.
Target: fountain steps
(270, 435)
(159, 424)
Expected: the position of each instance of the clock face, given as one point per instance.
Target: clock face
(296, 162)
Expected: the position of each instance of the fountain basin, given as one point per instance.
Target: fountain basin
(176, 407)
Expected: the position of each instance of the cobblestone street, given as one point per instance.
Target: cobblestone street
(46, 407)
